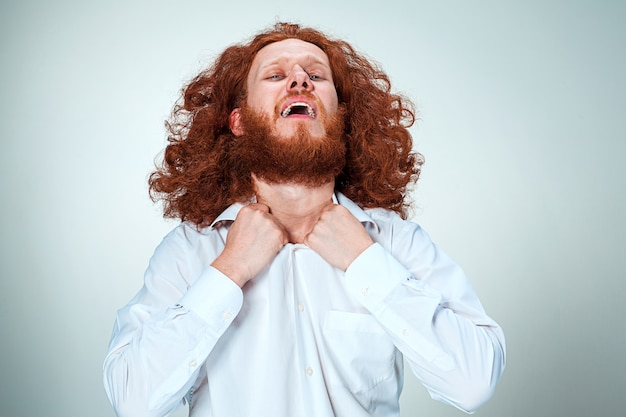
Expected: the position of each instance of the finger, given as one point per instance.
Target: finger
(260, 207)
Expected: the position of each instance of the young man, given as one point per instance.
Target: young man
(293, 285)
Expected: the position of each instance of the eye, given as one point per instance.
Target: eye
(275, 77)
(314, 77)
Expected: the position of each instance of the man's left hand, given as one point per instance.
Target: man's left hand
(338, 237)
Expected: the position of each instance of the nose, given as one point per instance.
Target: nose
(299, 80)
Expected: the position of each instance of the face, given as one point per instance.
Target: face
(291, 83)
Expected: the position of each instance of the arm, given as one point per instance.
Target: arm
(162, 338)
(436, 320)
(166, 333)
(423, 300)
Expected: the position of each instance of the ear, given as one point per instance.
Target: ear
(234, 122)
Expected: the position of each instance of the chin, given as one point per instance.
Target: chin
(294, 123)
(286, 134)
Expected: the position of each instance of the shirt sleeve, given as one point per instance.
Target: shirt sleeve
(427, 306)
(164, 335)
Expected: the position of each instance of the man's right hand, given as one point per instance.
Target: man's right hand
(253, 241)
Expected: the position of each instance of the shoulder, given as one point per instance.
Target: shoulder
(390, 222)
(405, 239)
(184, 234)
(384, 226)
(187, 233)
(188, 244)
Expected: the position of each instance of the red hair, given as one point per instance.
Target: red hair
(195, 180)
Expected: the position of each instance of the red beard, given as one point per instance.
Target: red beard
(301, 159)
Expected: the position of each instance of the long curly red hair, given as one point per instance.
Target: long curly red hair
(195, 180)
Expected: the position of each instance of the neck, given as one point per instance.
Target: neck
(296, 207)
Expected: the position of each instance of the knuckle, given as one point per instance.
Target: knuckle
(311, 239)
(246, 210)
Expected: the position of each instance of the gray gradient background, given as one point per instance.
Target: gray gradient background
(523, 129)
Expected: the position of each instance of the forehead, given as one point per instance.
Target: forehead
(289, 51)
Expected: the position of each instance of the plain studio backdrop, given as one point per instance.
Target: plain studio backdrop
(521, 122)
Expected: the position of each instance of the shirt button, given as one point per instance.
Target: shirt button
(309, 371)
(227, 315)
(193, 363)
(364, 292)
(300, 307)
(405, 332)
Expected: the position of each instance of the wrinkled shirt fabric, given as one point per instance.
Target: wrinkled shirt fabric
(302, 338)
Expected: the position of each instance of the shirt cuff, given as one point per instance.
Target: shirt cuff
(373, 275)
(215, 298)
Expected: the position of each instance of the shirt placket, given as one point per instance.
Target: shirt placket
(313, 392)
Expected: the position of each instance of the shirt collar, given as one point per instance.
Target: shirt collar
(231, 212)
(360, 214)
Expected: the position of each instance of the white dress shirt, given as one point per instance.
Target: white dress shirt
(302, 338)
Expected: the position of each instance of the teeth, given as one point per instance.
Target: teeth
(309, 109)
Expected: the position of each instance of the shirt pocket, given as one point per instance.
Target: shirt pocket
(359, 351)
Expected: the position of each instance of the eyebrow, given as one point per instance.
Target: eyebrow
(310, 59)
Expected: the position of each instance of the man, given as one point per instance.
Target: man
(294, 286)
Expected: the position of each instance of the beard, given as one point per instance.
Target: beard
(298, 159)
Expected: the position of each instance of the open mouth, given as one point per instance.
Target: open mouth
(299, 108)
